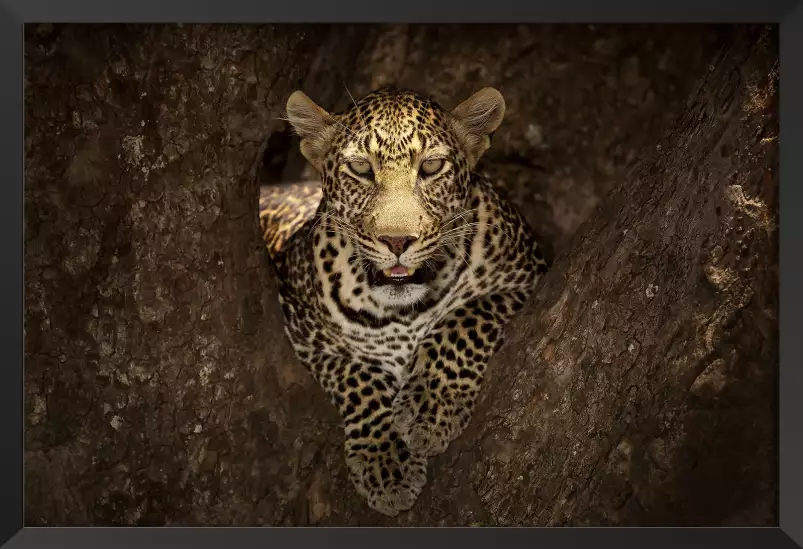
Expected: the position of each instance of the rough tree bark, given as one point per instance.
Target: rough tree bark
(159, 388)
(636, 388)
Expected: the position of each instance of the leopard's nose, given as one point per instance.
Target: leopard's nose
(397, 244)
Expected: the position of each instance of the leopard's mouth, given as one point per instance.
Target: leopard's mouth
(399, 275)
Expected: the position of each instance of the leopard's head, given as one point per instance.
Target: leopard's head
(396, 172)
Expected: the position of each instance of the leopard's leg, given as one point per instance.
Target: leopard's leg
(437, 401)
(381, 466)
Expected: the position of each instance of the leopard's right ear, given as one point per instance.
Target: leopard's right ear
(476, 119)
(314, 126)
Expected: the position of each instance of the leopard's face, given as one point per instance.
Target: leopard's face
(397, 176)
(396, 169)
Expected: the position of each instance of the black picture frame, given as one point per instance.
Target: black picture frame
(15, 13)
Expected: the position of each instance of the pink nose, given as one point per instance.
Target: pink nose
(397, 244)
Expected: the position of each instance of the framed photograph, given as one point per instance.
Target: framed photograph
(510, 270)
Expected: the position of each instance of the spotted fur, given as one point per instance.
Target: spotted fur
(402, 362)
(284, 208)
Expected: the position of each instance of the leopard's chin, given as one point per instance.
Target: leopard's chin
(400, 295)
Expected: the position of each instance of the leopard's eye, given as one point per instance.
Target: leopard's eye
(360, 168)
(431, 167)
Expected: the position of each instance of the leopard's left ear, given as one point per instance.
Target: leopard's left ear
(313, 125)
(476, 119)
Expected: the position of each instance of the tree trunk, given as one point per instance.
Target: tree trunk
(637, 388)
(159, 387)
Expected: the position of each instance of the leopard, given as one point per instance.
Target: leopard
(398, 274)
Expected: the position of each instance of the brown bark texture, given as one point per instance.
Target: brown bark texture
(636, 388)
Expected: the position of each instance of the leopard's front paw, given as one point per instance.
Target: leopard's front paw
(428, 416)
(386, 473)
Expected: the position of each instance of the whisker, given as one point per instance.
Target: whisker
(458, 216)
(464, 256)
(355, 103)
(347, 130)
